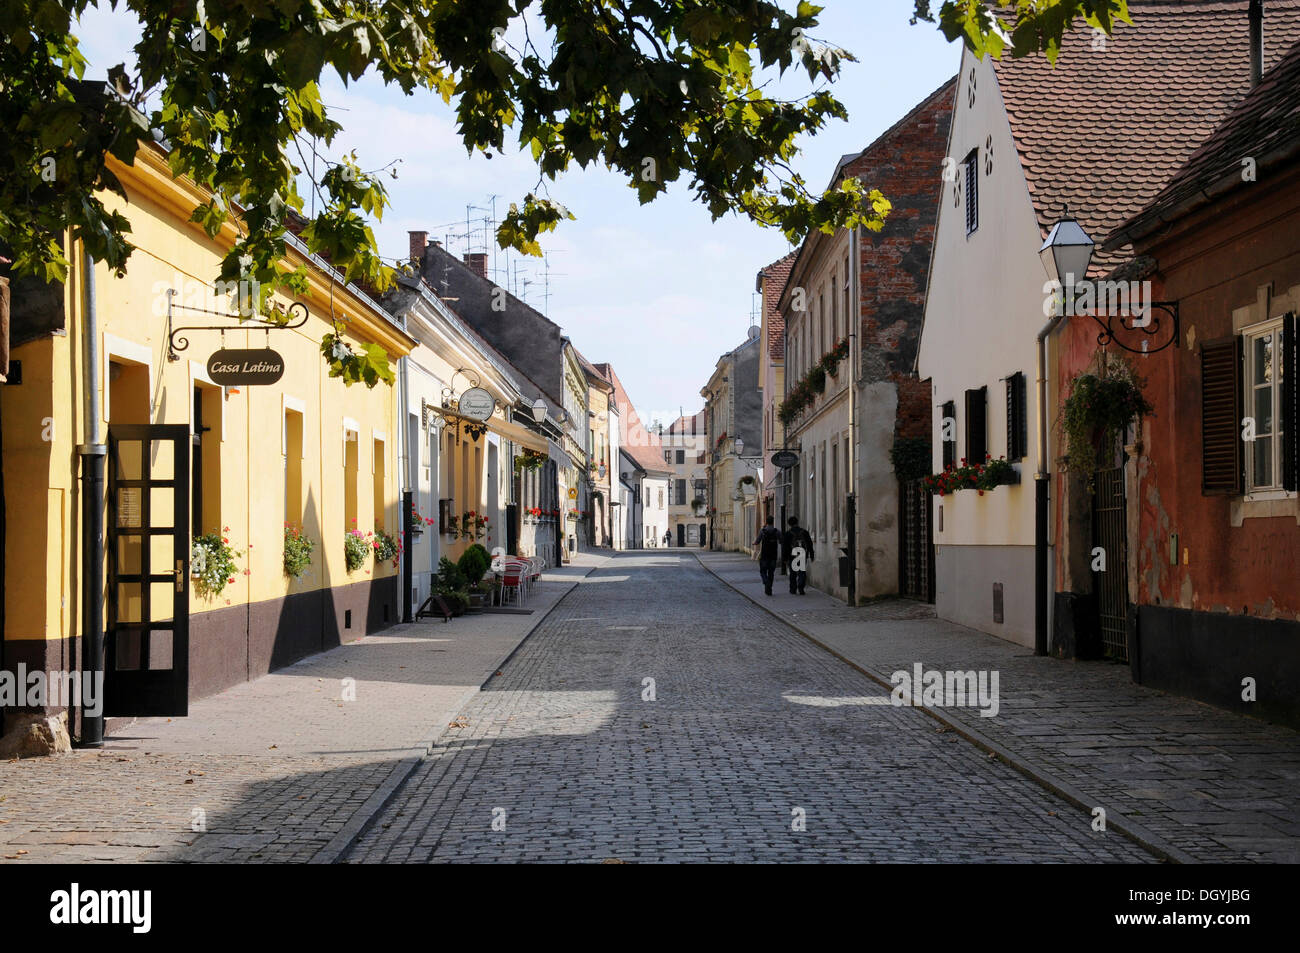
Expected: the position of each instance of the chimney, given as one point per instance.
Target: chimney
(418, 241)
(477, 262)
(1256, 16)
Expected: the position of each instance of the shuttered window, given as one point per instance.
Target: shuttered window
(1290, 404)
(1221, 456)
(948, 433)
(976, 424)
(1017, 417)
(972, 191)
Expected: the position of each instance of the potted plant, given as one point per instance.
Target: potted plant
(297, 551)
(356, 549)
(386, 547)
(817, 379)
(1097, 413)
(212, 563)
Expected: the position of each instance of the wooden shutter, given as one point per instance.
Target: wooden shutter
(1290, 415)
(948, 411)
(1017, 421)
(976, 424)
(1221, 450)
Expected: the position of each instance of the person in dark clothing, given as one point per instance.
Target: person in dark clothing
(766, 547)
(796, 537)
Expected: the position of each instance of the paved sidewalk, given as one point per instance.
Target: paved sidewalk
(1191, 780)
(279, 769)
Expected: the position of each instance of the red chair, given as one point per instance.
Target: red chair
(513, 579)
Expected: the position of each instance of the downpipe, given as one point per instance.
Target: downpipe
(92, 453)
(1041, 496)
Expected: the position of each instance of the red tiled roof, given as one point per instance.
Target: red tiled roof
(634, 437)
(1265, 126)
(1104, 130)
(773, 279)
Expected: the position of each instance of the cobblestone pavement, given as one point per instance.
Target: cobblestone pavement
(1210, 783)
(753, 732)
(281, 769)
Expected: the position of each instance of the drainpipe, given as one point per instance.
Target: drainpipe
(92, 454)
(1040, 493)
(407, 485)
(851, 508)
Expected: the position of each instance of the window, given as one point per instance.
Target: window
(822, 523)
(668, 456)
(835, 488)
(661, 498)
(681, 493)
(972, 191)
(848, 316)
(835, 312)
(681, 456)
(351, 467)
(976, 425)
(1017, 422)
(293, 468)
(205, 461)
(1250, 379)
(948, 432)
(378, 489)
(1270, 354)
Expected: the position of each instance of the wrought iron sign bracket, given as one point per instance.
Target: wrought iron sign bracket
(1160, 330)
(177, 342)
(449, 412)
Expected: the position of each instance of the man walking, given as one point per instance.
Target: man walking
(796, 538)
(765, 547)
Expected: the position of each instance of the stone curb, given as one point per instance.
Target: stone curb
(360, 822)
(1137, 833)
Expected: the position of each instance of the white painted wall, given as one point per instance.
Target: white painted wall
(983, 311)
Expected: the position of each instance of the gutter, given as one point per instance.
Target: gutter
(1041, 477)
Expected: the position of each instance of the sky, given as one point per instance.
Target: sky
(660, 291)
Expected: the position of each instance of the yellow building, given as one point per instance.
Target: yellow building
(184, 456)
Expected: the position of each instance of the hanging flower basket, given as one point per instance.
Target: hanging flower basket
(1096, 415)
(212, 563)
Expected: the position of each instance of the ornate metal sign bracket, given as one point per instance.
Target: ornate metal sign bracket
(1158, 331)
(177, 342)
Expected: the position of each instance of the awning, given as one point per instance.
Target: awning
(518, 433)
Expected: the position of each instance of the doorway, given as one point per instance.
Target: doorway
(147, 541)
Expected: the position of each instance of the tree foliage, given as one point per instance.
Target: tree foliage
(656, 91)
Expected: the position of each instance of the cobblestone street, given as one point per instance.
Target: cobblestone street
(752, 733)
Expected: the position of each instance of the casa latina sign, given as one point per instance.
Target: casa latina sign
(231, 367)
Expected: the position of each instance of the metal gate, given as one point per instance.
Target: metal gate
(1109, 532)
(916, 545)
(147, 643)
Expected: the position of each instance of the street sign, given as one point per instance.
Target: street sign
(477, 404)
(784, 459)
(234, 367)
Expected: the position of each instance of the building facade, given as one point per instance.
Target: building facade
(686, 452)
(852, 308)
(201, 479)
(995, 551)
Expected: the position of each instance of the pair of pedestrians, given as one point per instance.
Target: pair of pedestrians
(795, 550)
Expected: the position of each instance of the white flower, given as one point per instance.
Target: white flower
(245, 262)
(198, 560)
(341, 351)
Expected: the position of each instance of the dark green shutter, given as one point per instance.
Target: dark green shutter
(1017, 419)
(1222, 458)
(976, 424)
(948, 412)
(1289, 415)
